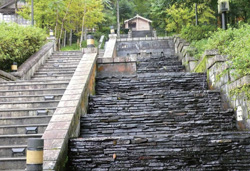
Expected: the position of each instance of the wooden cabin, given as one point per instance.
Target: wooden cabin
(138, 23)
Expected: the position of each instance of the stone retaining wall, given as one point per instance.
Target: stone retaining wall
(116, 66)
(213, 63)
(65, 122)
(132, 46)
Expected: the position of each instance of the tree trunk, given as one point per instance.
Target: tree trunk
(16, 9)
(85, 33)
(65, 38)
(62, 26)
(57, 16)
(70, 38)
(83, 24)
(118, 18)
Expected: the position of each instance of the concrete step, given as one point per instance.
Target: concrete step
(6, 113)
(21, 139)
(4, 121)
(67, 52)
(52, 78)
(59, 65)
(51, 74)
(33, 82)
(29, 104)
(6, 151)
(30, 98)
(23, 129)
(13, 164)
(52, 68)
(63, 60)
(33, 86)
(31, 92)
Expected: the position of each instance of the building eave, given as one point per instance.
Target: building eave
(138, 16)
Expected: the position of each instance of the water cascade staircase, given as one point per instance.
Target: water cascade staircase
(160, 119)
(27, 106)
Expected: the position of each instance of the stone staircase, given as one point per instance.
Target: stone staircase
(160, 119)
(26, 106)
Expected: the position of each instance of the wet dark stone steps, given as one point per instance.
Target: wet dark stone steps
(105, 124)
(159, 64)
(150, 82)
(196, 151)
(159, 119)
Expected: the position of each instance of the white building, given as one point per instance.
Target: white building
(7, 12)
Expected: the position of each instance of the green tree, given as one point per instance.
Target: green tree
(181, 15)
(65, 15)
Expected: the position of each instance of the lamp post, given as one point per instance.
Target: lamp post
(51, 33)
(223, 9)
(112, 30)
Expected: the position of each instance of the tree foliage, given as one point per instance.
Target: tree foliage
(61, 15)
(180, 15)
(18, 43)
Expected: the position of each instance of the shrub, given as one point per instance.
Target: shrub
(234, 42)
(199, 48)
(195, 33)
(17, 43)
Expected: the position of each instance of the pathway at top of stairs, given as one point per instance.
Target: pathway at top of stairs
(26, 106)
(160, 119)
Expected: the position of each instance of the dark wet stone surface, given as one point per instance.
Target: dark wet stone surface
(160, 119)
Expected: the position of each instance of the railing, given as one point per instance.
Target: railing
(4, 76)
(31, 65)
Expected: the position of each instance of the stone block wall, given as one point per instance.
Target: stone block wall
(135, 46)
(122, 66)
(214, 64)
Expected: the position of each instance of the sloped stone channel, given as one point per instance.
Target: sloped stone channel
(160, 119)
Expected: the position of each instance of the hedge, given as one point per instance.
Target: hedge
(18, 43)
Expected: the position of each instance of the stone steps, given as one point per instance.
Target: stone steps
(23, 129)
(150, 82)
(26, 106)
(24, 92)
(58, 70)
(17, 86)
(158, 122)
(5, 121)
(26, 112)
(29, 104)
(30, 98)
(18, 139)
(159, 119)
(164, 101)
(60, 65)
(6, 151)
(17, 163)
(193, 151)
(54, 72)
(32, 82)
(68, 77)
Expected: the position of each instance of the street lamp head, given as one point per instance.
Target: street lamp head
(51, 33)
(112, 30)
(223, 6)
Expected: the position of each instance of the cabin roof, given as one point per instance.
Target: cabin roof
(138, 16)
